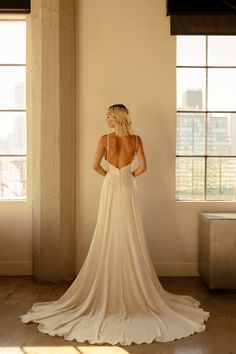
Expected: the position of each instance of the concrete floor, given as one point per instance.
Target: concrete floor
(17, 294)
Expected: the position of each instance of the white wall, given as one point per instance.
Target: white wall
(125, 54)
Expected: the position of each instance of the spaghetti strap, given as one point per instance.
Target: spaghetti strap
(107, 145)
(136, 144)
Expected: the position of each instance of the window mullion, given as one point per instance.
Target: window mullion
(13, 165)
(206, 121)
(205, 145)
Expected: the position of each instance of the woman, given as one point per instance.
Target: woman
(123, 145)
(117, 296)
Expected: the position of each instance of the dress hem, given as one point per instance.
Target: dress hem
(199, 329)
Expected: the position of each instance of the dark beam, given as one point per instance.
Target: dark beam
(14, 6)
(187, 7)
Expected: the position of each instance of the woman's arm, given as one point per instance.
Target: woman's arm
(101, 148)
(141, 158)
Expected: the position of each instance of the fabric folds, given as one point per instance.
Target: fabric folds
(117, 298)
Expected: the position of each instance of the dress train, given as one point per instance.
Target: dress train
(117, 298)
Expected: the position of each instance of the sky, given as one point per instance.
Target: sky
(191, 50)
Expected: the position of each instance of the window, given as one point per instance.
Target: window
(13, 158)
(206, 118)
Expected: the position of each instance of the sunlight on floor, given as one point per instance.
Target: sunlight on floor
(64, 350)
(102, 350)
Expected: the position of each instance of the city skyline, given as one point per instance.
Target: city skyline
(192, 139)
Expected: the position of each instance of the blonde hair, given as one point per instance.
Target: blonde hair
(123, 123)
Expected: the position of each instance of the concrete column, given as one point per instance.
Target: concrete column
(52, 114)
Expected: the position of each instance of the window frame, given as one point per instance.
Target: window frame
(206, 113)
(14, 18)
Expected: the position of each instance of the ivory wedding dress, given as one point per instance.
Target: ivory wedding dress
(117, 298)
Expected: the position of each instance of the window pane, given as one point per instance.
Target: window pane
(222, 50)
(191, 88)
(221, 178)
(12, 178)
(12, 87)
(12, 133)
(190, 178)
(12, 42)
(221, 89)
(191, 50)
(190, 139)
(221, 134)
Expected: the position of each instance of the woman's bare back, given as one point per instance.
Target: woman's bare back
(120, 151)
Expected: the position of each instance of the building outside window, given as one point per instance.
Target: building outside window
(206, 118)
(13, 141)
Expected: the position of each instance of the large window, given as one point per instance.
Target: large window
(206, 118)
(13, 147)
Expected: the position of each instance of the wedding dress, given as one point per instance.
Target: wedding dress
(116, 297)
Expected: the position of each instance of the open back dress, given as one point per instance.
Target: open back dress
(117, 297)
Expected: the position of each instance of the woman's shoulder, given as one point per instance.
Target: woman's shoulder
(103, 138)
(138, 137)
(134, 135)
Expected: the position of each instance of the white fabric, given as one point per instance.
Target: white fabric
(117, 298)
